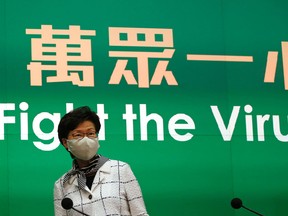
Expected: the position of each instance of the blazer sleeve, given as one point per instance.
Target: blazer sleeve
(58, 196)
(133, 193)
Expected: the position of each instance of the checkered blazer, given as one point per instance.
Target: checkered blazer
(115, 191)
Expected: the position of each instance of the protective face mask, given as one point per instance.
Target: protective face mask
(85, 148)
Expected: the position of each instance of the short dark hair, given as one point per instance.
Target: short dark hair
(72, 119)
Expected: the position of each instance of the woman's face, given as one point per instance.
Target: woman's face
(85, 128)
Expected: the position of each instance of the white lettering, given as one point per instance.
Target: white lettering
(144, 119)
(5, 119)
(260, 126)
(55, 119)
(277, 131)
(172, 126)
(249, 123)
(24, 121)
(103, 116)
(226, 132)
(129, 116)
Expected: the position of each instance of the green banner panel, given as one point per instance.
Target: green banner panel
(191, 94)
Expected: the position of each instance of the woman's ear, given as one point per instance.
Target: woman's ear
(64, 141)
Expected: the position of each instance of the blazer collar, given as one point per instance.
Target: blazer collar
(102, 173)
(99, 177)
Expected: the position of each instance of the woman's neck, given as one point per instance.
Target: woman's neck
(82, 163)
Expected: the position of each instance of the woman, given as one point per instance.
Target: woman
(95, 185)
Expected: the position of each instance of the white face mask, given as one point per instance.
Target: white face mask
(84, 149)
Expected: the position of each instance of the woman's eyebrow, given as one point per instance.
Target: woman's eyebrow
(80, 130)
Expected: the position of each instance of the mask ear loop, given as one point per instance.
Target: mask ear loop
(67, 141)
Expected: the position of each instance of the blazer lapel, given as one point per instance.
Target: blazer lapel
(102, 173)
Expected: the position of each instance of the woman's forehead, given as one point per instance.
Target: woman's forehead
(86, 125)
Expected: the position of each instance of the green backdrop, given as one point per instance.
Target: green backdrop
(198, 176)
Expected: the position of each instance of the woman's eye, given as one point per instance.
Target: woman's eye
(77, 135)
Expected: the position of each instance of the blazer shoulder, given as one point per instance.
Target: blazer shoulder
(62, 177)
(118, 163)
